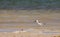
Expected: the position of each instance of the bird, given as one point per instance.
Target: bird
(39, 23)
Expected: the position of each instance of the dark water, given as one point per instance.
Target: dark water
(29, 4)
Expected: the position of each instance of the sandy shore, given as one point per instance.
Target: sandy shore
(26, 34)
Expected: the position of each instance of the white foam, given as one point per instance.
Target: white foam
(18, 31)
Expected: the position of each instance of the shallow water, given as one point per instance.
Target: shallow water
(28, 21)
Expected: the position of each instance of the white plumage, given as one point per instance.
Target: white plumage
(39, 23)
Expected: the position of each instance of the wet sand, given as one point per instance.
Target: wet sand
(12, 20)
